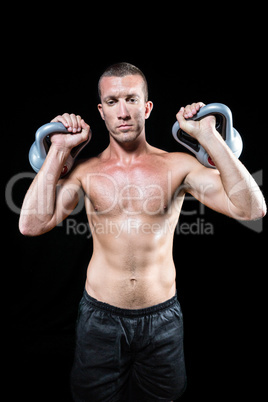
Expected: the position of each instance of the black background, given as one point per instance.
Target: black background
(220, 277)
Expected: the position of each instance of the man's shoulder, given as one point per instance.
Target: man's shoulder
(179, 157)
(91, 162)
(171, 155)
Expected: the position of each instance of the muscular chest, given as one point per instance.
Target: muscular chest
(132, 191)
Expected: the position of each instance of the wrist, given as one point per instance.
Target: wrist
(209, 137)
(55, 160)
(59, 150)
(217, 149)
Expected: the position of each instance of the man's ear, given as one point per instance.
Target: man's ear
(100, 110)
(148, 108)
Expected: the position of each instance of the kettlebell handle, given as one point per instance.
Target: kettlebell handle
(38, 152)
(229, 134)
(43, 132)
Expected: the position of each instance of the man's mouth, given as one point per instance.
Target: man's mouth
(125, 126)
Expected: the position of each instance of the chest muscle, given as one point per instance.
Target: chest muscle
(135, 191)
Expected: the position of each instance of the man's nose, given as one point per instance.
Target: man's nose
(123, 112)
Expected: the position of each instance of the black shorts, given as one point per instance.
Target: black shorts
(128, 355)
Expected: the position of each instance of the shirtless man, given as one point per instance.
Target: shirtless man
(130, 330)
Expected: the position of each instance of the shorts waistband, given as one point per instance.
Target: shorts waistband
(129, 312)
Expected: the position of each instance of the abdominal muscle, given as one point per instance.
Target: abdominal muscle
(131, 270)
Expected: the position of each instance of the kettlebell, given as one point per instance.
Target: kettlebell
(40, 147)
(224, 125)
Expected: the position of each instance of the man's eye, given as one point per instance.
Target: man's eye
(132, 100)
(111, 102)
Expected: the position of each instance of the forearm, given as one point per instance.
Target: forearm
(38, 207)
(240, 187)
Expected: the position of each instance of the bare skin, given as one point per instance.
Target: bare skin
(134, 194)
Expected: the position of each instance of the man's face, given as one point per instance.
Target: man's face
(123, 106)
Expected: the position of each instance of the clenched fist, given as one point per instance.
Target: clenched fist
(79, 131)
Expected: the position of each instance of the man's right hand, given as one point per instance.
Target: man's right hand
(78, 128)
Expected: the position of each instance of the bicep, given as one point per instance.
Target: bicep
(68, 193)
(206, 186)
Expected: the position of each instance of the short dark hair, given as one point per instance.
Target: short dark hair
(122, 70)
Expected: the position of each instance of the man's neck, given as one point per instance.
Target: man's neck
(127, 152)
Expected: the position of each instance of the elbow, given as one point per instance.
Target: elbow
(260, 211)
(255, 214)
(263, 212)
(27, 229)
(26, 232)
(23, 228)
(256, 210)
